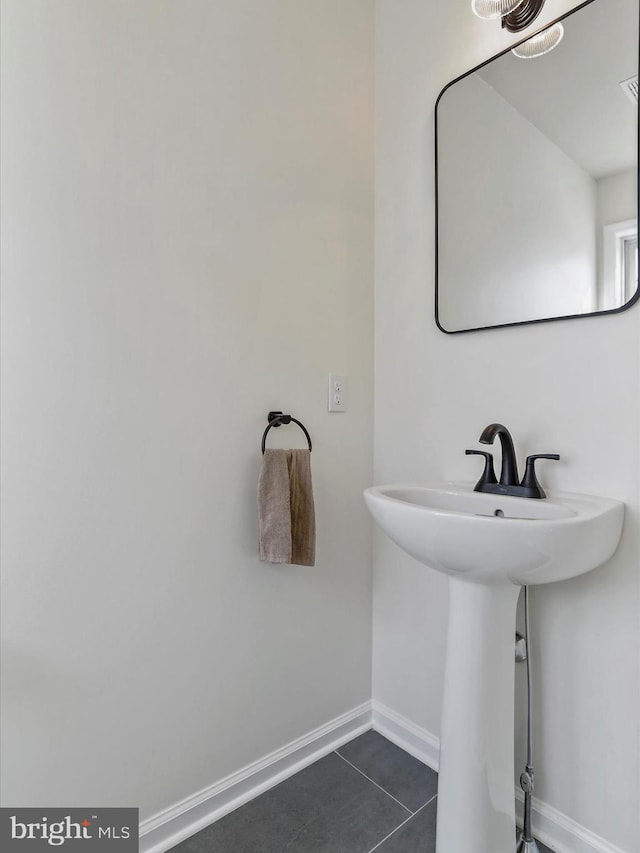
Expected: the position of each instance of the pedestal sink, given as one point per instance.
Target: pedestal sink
(489, 545)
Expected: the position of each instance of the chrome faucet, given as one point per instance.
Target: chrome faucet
(509, 483)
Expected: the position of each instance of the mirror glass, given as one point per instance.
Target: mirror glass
(537, 179)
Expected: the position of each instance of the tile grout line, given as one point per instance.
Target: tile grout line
(406, 820)
(376, 784)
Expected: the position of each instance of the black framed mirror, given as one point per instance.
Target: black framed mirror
(537, 179)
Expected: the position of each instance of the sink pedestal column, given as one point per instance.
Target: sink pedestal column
(476, 798)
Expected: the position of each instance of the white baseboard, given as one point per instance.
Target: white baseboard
(407, 735)
(168, 828)
(560, 832)
(171, 826)
(551, 827)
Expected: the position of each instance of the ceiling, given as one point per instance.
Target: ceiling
(572, 94)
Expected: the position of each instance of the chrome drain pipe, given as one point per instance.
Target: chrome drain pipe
(527, 843)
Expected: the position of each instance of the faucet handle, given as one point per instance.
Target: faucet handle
(530, 483)
(488, 475)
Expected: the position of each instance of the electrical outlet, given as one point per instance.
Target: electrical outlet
(337, 393)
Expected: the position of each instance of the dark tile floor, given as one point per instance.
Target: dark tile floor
(367, 795)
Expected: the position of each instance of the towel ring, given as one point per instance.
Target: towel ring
(276, 419)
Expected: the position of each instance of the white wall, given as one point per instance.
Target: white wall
(617, 197)
(187, 243)
(571, 387)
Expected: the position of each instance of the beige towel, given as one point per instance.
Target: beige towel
(287, 524)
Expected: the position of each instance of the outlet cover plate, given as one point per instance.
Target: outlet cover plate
(337, 393)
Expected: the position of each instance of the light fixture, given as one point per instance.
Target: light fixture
(539, 44)
(489, 9)
(516, 16)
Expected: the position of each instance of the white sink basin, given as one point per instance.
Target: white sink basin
(494, 539)
(488, 545)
